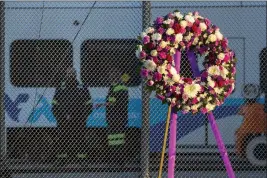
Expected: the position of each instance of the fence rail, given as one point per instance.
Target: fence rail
(73, 103)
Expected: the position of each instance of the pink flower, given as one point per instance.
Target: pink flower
(169, 58)
(204, 110)
(146, 39)
(233, 70)
(226, 58)
(196, 29)
(195, 13)
(144, 72)
(142, 54)
(155, 59)
(170, 16)
(189, 24)
(160, 97)
(150, 82)
(207, 21)
(161, 30)
(188, 80)
(197, 22)
(185, 97)
(159, 48)
(173, 88)
(224, 43)
(169, 66)
(194, 101)
(157, 76)
(162, 55)
(221, 83)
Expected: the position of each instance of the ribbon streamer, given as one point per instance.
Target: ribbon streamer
(173, 126)
(192, 59)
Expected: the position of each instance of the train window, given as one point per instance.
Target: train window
(102, 60)
(39, 63)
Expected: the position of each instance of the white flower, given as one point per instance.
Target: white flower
(178, 37)
(210, 107)
(233, 86)
(218, 35)
(150, 30)
(162, 69)
(212, 38)
(191, 90)
(203, 95)
(189, 18)
(221, 56)
(172, 51)
(177, 90)
(150, 65)
(149, 77)
(214, 70)
(154, 52)
(163, 44)
(168, 80)
(176, 78)
(186, 108)
(209, 98)
(143, 34)
(218, 90)
(183, 23)
(170, 31)
(168, 21)
(211, 83)
(195, 106)
(178, 15)
(137, 52)
(173, 71)
(203, 26)
(195, 41)
(224, 72)
(188, 37)
(168, 100)
(156, 36)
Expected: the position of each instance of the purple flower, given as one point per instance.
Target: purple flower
(157, 76)
(161, 30)
(172, 39)
(202, 50)
(159, 20)
(144, 73)
(146, 39)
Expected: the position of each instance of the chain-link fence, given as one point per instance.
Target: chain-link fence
(72, 99)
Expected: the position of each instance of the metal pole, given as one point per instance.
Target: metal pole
(265, 93)
(145, 130)
(3, 170)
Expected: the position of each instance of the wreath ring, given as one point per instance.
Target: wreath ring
(192, 33)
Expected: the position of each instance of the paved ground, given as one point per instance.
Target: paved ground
(217, 174)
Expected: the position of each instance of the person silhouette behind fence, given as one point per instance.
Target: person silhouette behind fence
(117, 113)
(71, 108)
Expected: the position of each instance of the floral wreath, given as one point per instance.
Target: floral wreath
(189, 32)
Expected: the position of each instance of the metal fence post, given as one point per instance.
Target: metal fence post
(2, 90)
(145, 132)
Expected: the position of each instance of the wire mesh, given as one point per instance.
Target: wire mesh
(73, 102)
